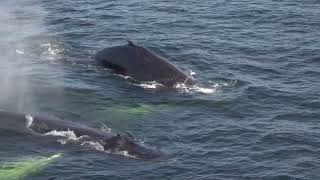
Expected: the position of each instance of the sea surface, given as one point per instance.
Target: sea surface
(254, 113)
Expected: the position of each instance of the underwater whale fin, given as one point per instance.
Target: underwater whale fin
(24, 168)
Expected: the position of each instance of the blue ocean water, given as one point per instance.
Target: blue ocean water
(254, 113)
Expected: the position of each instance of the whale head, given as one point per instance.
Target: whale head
(133, 148)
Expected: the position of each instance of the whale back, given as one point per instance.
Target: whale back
(141, 64)
(41, 126)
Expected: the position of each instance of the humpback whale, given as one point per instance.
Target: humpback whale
(40, 126)
(141, 64)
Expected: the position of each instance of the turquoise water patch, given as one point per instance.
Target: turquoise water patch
(135, 110)
(130, 112)
(120, 117)
(21, 169)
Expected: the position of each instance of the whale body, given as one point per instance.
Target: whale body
(40, 126)
(141, 64)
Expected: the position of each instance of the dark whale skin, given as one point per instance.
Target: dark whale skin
(141, 64)
(36, 125)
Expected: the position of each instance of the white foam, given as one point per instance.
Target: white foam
(62, 141)
(182, 87)
(68, 134)
(20, 52)
(149, 86)
(196, 88)
(210, 89)
(29, 119)
(92, 144)
(126, 154)
(205, 90)
(51, 50)
(54, 156)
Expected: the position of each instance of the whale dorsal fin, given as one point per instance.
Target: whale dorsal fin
(130, 43)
